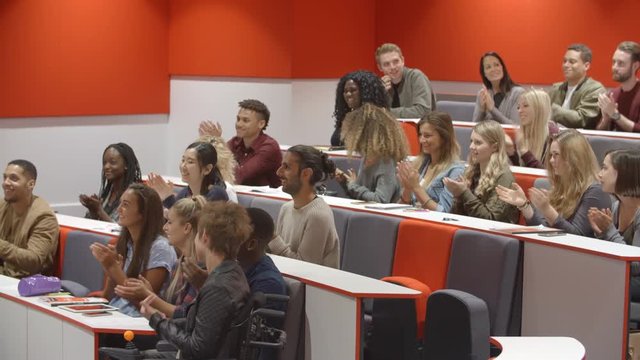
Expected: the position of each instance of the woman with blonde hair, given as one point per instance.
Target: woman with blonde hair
(474, 192)
(375, 134)
(572, 168)
(533, 135)
(181, 229)
(422, 179)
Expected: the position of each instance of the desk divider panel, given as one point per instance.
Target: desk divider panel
(271, 206)
(370, 244)
(602, 144)
(245, 200)
(59, 258)
(410, 130)
(422, 252)
(341, 219)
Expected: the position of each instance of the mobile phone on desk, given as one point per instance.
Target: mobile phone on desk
(552, 233)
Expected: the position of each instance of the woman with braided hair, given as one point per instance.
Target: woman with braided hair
(120, 169)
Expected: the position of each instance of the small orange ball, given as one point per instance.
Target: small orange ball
(128, 335)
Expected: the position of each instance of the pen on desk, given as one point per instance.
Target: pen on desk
(449, 219)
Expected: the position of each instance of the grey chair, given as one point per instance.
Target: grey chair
(294, 321)
(245, 200)
(463, 135)
(541, 183)
(271, 206)
(602, 144)
(459, 110)
(486, 265)
(457, 327)
(81, 272)
(370, 244)
(341, 219)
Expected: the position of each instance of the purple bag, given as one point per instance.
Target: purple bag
(38, 285)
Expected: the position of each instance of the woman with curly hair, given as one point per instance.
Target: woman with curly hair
(474, 192)
(572, 169)
(354, 89)
(375, 134)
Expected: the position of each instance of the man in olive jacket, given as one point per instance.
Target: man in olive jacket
(575, 101)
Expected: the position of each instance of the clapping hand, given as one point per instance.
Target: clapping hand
(514, 196)
(105, 254)
(408, 175)
(210, 128)
(457, 186)
(345, 177)
(134, 289)
(539, 198)
(91, 202)
(600, 220)
(161, 186)
(194, 274)
(607, 104)
(146, 309)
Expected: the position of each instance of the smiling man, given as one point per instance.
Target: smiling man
(409, 90)
(306, 229)
(258, 154)
(621, 108)
(575, 101)
(28, 226)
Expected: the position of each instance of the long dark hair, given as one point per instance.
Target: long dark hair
(132, 173)
(505, 83)
(150, 207)
(207, 155)
(371, 91)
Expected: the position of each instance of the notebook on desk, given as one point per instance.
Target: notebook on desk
(387, 206)
(528, 230)
(72, 300)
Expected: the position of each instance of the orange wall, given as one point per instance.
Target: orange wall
(332, 37)
(446, 38)
(90, 57)
(83, 57)
(271, 39)
(249, 38)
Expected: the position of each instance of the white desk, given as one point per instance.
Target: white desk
(572, 285)
(33, 330)
(537, 348)
(333, 306)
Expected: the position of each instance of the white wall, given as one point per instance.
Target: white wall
(68, 150)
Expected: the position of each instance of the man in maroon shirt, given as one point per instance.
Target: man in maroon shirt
(621, 107)
(258, 154)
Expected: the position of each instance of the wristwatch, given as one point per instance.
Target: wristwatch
(615, 116)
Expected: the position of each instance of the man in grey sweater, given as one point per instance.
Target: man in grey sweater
(409, 90)
(306, 229)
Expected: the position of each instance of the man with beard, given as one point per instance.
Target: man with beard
(575, 101)
(305, 229)
(621, 108)
(28, 226)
